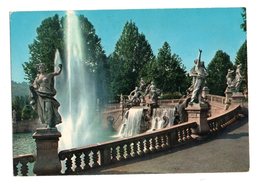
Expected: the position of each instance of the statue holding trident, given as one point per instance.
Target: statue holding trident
(42, 96)
(199, 73)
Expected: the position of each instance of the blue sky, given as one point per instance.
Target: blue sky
(186, 30)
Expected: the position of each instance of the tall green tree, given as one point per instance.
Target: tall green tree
(168, 71)
(49, 38)
(130, 60)
(96, 60)
(241, 58)
(243, 25)
(217, 70)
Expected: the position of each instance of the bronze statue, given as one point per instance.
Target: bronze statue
(42, 96)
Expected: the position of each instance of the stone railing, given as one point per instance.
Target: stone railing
(216, 99)
(85, 158)
(224, 119)
(23, 165)
(77, 160)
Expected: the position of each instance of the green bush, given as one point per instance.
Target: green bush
(174, 95)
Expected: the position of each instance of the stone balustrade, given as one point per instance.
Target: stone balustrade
(85, 158)
(224, 119)
(77, 160)
(22, 165)
(216, 99)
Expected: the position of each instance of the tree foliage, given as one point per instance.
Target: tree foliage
(243, 25)
(49, 38)
(168, 71)
(217, 70)
(130, 60)
(241, 58)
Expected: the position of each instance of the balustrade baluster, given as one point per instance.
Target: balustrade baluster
(121, 152)
(114, 154)
(153, 144)
(158, 143)
(147, 146)
(86, 160)
(15, 169)
(78, 161)
(163, 141)
(141, 147)
(183, 135)
(68, 163)
(179, 136)
(128, 151)
(95, 158)
(188, 133)
(135, 149)
(24, 167)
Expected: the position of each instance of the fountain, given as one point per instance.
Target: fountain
(81, 123)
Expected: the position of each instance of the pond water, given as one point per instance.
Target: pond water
(23, 143)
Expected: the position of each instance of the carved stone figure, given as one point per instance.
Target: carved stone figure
(199, 73)
(42, 96)
(238, 78)
(229, 77)
(142, 85)
(134, 96)
(154, 93)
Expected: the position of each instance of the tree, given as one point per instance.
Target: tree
(49, 38)
(243, 25)
(168, 71)
(217, 70)
(241, 58)
(96, 60)
(18, 104)
(130, 60)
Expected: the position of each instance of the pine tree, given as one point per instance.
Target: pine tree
(217, 71)
(49, 38)
(168, 71)
(130, 60)
(241, 58)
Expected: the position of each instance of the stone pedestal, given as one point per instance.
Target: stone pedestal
(238, 98)
(228, 99)
(199, 114)
(47, 160)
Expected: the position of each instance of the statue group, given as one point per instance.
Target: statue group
(144, 94)
(234, 83)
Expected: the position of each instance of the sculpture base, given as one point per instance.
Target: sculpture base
(238, 98)
(199, 113)
(47, 160)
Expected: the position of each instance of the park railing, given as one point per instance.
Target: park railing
(85, 158)
(223, 120)
(216, 99)
(82, 159)
(23, 165)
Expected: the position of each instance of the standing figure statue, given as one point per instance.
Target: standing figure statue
(229, 77)
(199, 75)
(238, 78)
(42, 96)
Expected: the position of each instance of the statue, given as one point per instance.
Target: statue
(153, 93)
(199, 73)
(134, 96)
(42, 96)
(238, 78)
(229, 77)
